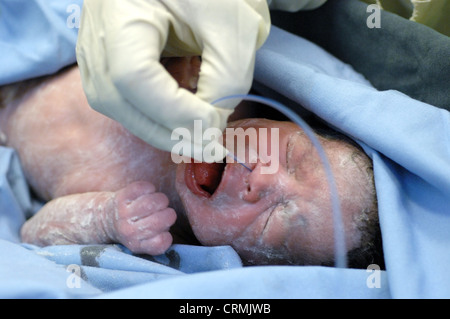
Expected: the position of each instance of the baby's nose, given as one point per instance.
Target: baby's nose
(259, 184)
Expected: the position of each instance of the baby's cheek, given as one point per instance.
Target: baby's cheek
(207, 229)
(220, 226)
(217, 226)
(276, 236)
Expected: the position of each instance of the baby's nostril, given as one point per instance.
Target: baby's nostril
(250, 193)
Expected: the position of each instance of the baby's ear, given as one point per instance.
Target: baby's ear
(363, 162)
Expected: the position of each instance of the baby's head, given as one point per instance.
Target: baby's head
(284, 217)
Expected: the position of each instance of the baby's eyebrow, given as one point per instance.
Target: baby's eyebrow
(291, 147)
(289, 150)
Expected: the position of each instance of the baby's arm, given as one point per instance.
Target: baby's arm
(135, 216)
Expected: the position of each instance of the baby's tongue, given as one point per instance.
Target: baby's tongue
(208, 175)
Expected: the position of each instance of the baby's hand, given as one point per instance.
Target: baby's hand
(142, 219)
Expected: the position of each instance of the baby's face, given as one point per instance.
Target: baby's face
(284, 216)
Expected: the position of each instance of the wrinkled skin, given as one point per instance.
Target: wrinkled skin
(283, 217)
(104, 185)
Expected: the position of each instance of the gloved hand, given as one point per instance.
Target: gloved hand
(120, 44)
(295, 5)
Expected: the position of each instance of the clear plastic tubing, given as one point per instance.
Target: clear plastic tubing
(340, 250)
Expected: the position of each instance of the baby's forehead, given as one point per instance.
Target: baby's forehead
(340, 147)
(262, 122)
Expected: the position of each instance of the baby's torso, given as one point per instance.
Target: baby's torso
(66, 147)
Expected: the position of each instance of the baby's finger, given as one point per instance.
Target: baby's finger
(147, 205)
(156, 245)
(135, 190)
(155, 223)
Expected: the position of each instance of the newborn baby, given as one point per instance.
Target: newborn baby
(103, 185)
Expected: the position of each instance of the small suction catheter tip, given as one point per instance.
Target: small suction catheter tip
(231, 155)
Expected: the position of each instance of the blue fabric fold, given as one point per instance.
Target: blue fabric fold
(15, 201)
(37, 37)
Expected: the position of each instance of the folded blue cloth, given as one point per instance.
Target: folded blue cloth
(15, 201)
(37, 37)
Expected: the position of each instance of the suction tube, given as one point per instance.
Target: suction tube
(340, 250)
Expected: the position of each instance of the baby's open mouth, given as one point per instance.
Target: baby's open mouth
(204, 178)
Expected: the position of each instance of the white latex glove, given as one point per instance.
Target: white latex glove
(120, 44)
(295, 5)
